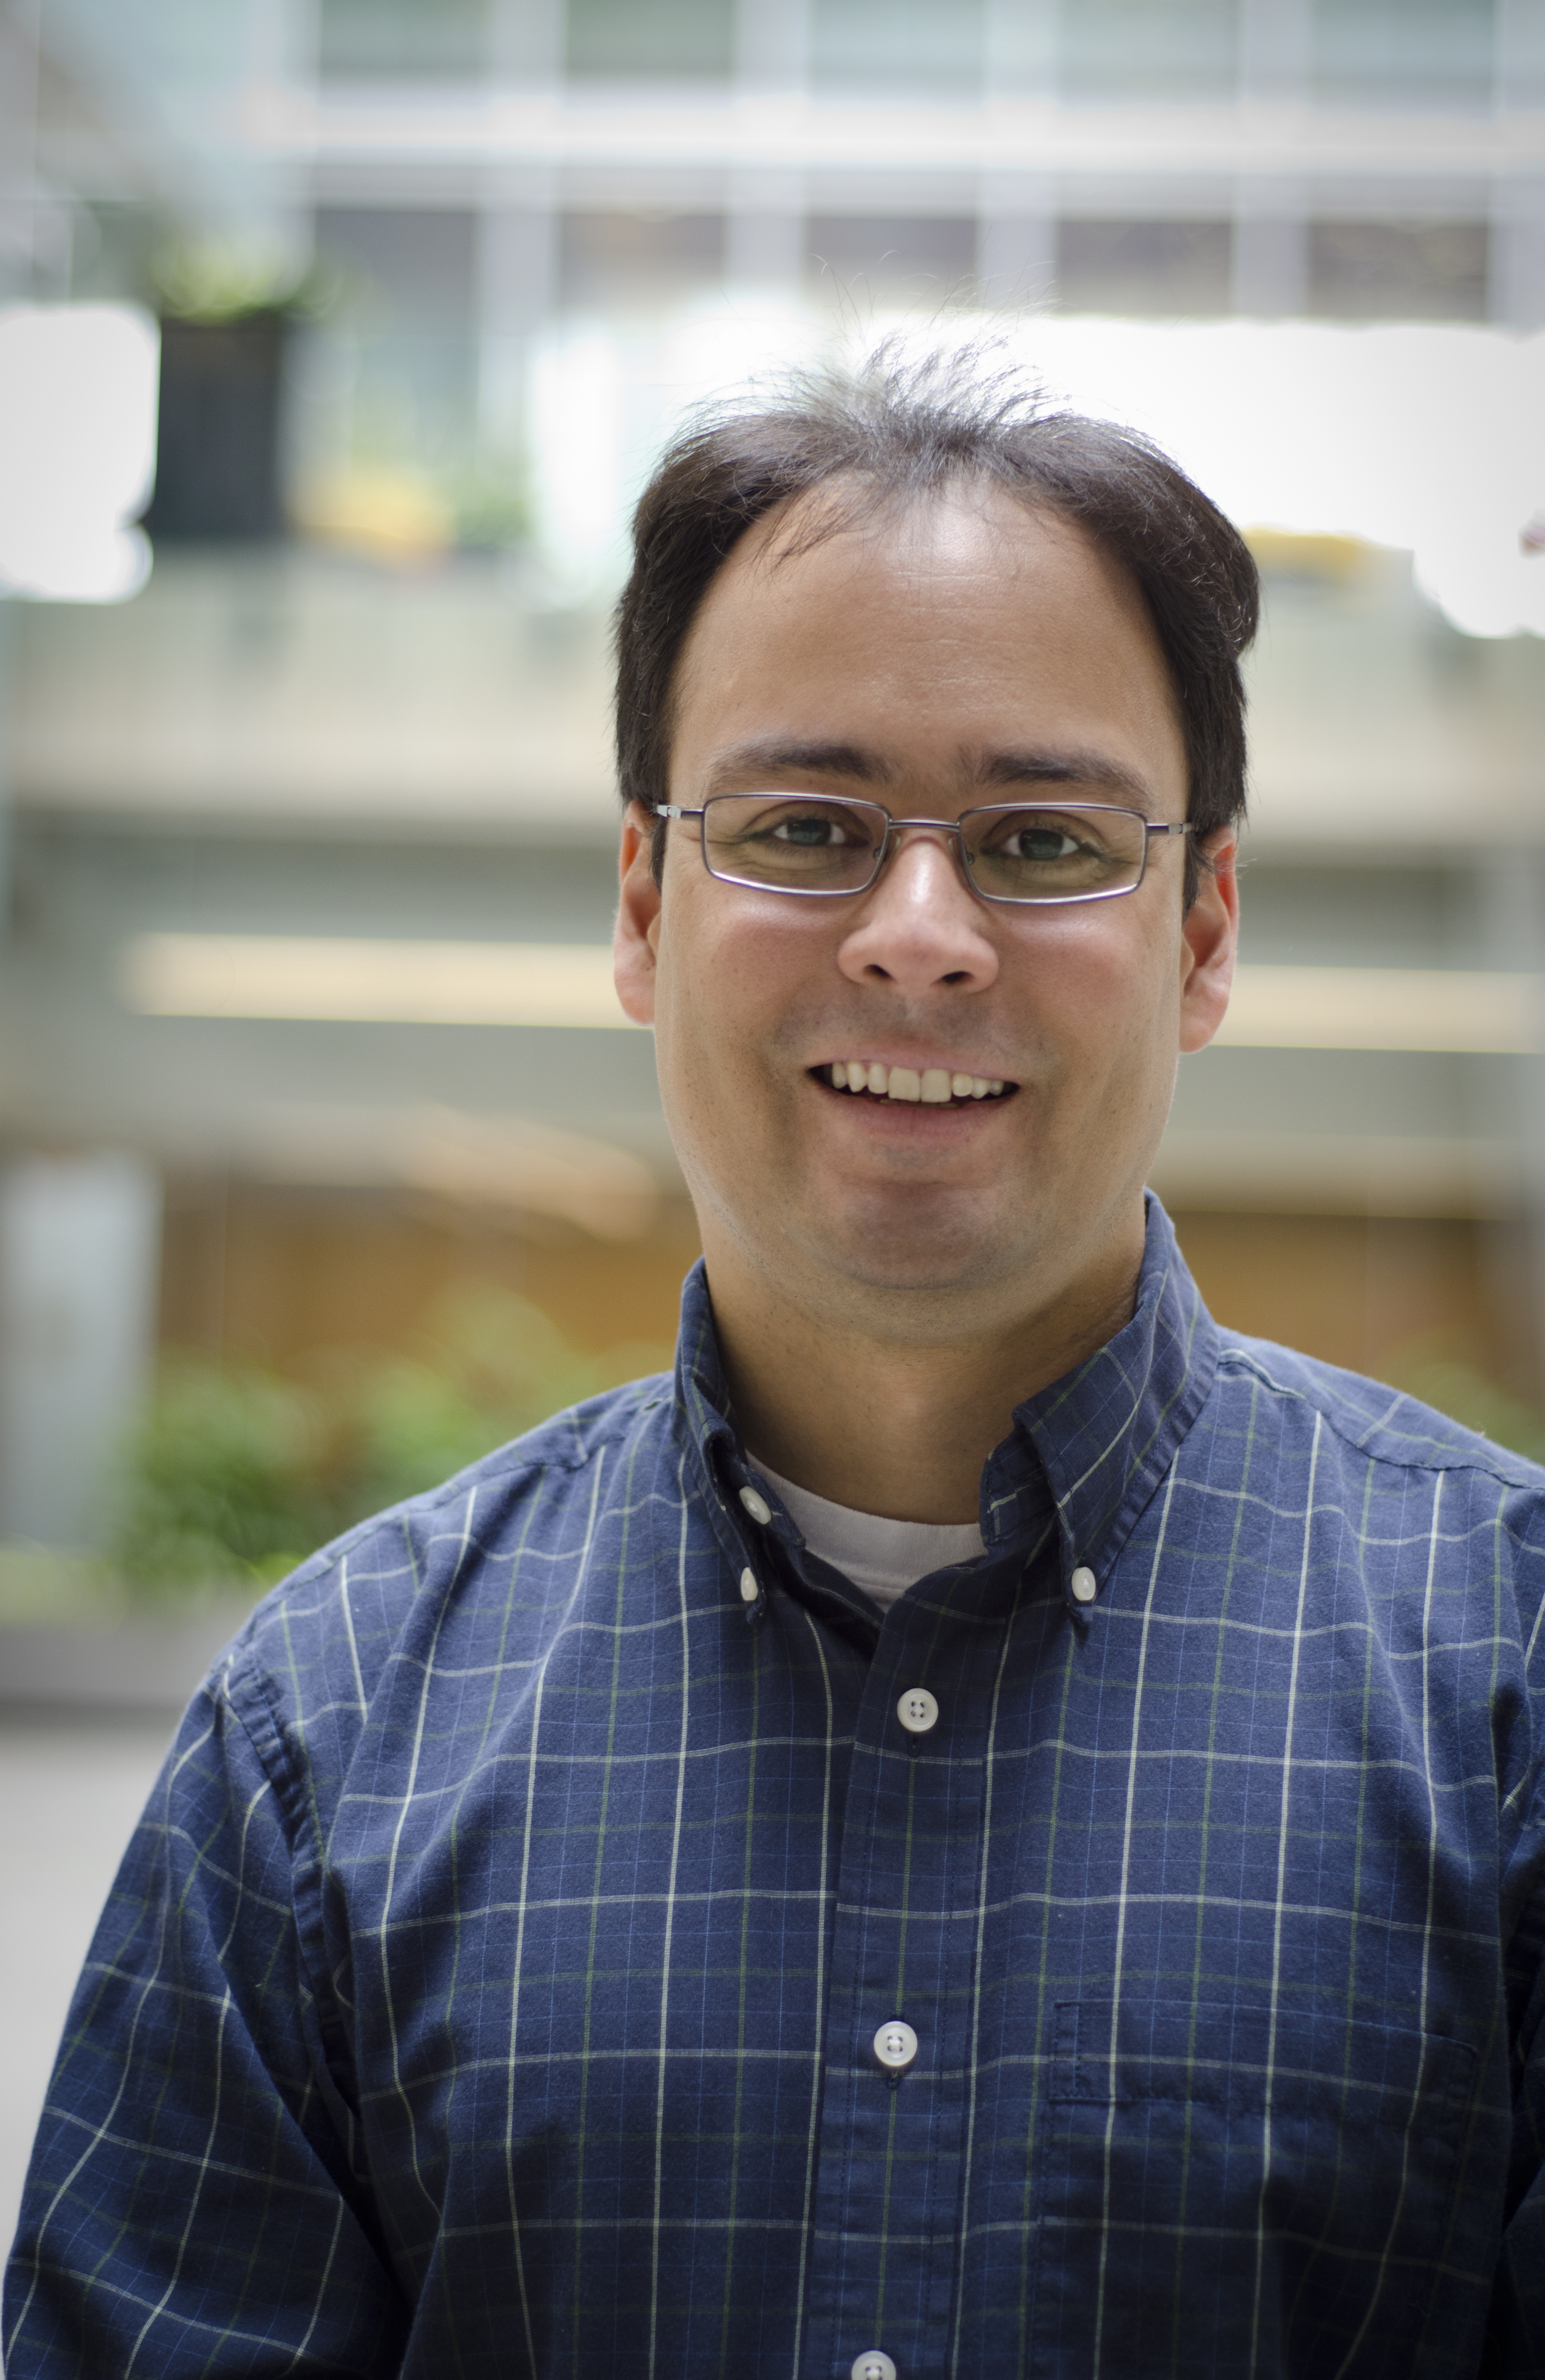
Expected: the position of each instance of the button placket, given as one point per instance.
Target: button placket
(890, 2159)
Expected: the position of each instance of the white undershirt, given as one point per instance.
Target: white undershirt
(882, 1557)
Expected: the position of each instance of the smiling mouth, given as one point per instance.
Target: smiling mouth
(929, 1086)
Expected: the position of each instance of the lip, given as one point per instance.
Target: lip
(854, 1124)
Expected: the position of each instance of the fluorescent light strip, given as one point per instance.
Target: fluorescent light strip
(316, 979)
(311, 979)
(1384, 1008)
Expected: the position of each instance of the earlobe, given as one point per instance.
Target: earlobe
(638, 911)
(1209, 934)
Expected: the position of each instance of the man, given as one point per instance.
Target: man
(988, 1826)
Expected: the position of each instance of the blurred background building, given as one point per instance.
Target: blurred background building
(336, 336)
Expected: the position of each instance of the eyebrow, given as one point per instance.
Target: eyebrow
(1037, 768)
(769, 756)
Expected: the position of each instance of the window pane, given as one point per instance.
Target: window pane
(673, 39)
(897, 257)
(1423, 272)
(402, 37)
(616, 260)
(1150, 267)
(1394, 53)
(410, 278)
(413, 267)
(1133, 50)
(889, 45)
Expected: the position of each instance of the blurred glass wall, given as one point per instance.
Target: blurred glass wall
(303, 723)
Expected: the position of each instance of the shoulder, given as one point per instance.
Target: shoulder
(1387, 1501)
(1429, 1533)
(1368, 1418)
(450, 1576)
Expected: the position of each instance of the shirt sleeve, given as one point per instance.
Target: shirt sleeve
(192, 2205)
(1516, 2331)
(1516, 2327)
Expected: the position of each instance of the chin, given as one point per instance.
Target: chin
(934, 1254)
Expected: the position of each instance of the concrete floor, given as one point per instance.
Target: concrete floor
(70, 1792)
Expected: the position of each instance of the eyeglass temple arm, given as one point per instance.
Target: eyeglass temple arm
(672, 809)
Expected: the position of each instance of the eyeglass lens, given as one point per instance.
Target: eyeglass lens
(800, 843)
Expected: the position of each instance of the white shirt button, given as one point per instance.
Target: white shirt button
(749, 1588)
(873, 2366)
(896, 2045)
(917, 1710)
(1085, 1586)
(757, 1506)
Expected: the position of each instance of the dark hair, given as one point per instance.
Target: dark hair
(895, 430)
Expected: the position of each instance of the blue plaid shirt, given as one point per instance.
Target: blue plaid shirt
(492, 1985)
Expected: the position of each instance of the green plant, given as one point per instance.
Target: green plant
(237, 1473)
(226, 1480)
(227, 280)
(1441, 1378)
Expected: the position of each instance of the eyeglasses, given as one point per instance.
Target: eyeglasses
(827, 847)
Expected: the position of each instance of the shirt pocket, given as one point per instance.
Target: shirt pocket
(1225, 2189)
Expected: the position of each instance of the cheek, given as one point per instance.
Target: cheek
(742, 972)
(725, 988)
(1110, 1006)
(1101, 978)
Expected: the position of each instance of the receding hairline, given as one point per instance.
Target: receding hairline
(840, 509)
(853, 501)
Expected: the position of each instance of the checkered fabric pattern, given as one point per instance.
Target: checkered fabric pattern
(491, 1988)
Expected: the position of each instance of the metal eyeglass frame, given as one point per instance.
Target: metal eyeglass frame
(937, 826)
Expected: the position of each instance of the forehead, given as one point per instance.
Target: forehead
(931, 633)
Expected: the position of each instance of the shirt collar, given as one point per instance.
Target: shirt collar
(1091, 1448)
(1106, 1433)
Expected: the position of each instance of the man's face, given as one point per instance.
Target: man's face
(943, 655)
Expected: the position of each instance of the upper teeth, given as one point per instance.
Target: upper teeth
(934, 1085)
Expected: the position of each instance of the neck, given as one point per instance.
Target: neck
(885, 1421)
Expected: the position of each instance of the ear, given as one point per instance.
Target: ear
(1209, 938)
(635, 940)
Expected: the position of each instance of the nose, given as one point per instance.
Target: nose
(921, 928)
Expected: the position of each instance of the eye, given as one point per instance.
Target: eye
(812, 830)
(1049, 838)
(1040, 844)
